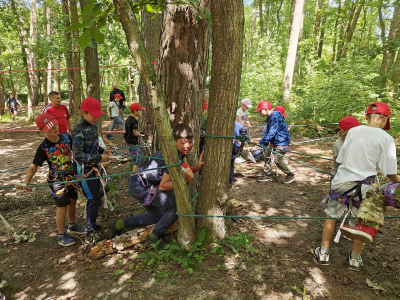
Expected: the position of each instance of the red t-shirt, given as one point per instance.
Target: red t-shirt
(61, 114)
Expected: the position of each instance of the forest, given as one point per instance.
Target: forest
(321, 60)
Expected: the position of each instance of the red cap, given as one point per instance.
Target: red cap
(205, 104)
(185, 166)
(263, 105)
(92, 106)
(348, 123)
(45, 122)
(281, 109)
(135, 106)
(381, 108)
(118, 96)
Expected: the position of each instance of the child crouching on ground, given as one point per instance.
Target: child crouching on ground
(87, 158)
(278, 136)
(366, 150)
(56, 150)
(154, 191)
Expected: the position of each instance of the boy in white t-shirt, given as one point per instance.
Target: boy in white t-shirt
(242, 114)
(366, 150)
(113, 113)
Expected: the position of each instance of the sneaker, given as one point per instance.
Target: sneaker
(322, 259)
(65, 240)
(109, 136)
(289, 179)
(359, 232)
(150, 241)
(113, 230)
(92, 236)
(2, 297)
(76, 228)
(239, 160)
(265, 178)
(252, 159)
(355, 264)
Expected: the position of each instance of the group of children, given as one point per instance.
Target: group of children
(360, 152)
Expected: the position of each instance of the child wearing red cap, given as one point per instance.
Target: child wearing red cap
(113, 113)
(87, 159)
(365, 150)
(153, 188)
(132, 134)
(276, 133)
(56, 150)
(345, 125)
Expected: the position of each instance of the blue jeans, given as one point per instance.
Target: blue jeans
(117, 121)
(135, 150)
(162, 211)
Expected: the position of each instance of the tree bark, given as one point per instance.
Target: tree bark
(151, 27)
(33, 41)
(76, 63)
(267, 5)
(68, 56)
(92, 71)
(297, 63)
(278, 20)
(46, 36)
(322, 34)
(335, 32)
(292, 49)
(227, 42)
(160, 116)
(261, 18)
(317, 24)
(3, 93)
(22, 35)
(251, 39)
(396, 77)
(184, 49)
(352, 28)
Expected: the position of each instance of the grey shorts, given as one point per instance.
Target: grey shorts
(336, 209)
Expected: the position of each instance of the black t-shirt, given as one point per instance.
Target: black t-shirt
(130, 125)
(154, 176)
(58, 155)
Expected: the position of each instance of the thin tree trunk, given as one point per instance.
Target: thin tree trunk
(322, 34)
(292, 49)
(160, 115)
(92, 71)
(317, 24)
(297, 64)
(151, 27)
(347, 13)
(3, 93)
(352, 28)
(278, 20)
(227, 41)
(267, 5)
(68, 56)
(22, 35)
(335, 33)
(261, 18)
(46, 37)
(56, 78)
(251, 39)
(76, 63)
(396, 77)
(363, 29)
(49, 62)
(33, 41)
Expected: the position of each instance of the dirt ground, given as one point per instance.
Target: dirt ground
(282, 266)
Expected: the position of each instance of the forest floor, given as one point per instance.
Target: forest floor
(280, 266)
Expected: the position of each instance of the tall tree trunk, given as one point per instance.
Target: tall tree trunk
(267, 5)
(160, 115)
(33, 41)
(251, 39)
(151, 27)
(317, 24)
(184, 51)
(322, 34)
(352, 28)
(23, 39)
(227, 41)
(278, 20)
(261, 18)
(46, 36)
(3, 93)
(297, 64)
(56, 78)
(335, 32)
(292, 49)
(92, 71)
(68, 56)
(396, 77)
(76, 63)
(49, 62)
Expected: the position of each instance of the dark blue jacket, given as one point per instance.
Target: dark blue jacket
(277, 132)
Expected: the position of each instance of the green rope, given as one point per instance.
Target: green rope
(309, 141)
(5, 171)
(195, 196)
(274, 218)
(93, 178)
(300, 125)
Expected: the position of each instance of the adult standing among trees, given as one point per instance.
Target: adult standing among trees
(121, 103)
(12, 102)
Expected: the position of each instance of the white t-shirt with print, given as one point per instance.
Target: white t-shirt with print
(242, 114)
(365, 151)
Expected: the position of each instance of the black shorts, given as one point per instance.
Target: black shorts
(62, 194)
(12, 109)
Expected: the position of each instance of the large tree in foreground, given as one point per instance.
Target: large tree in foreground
(227, 40)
